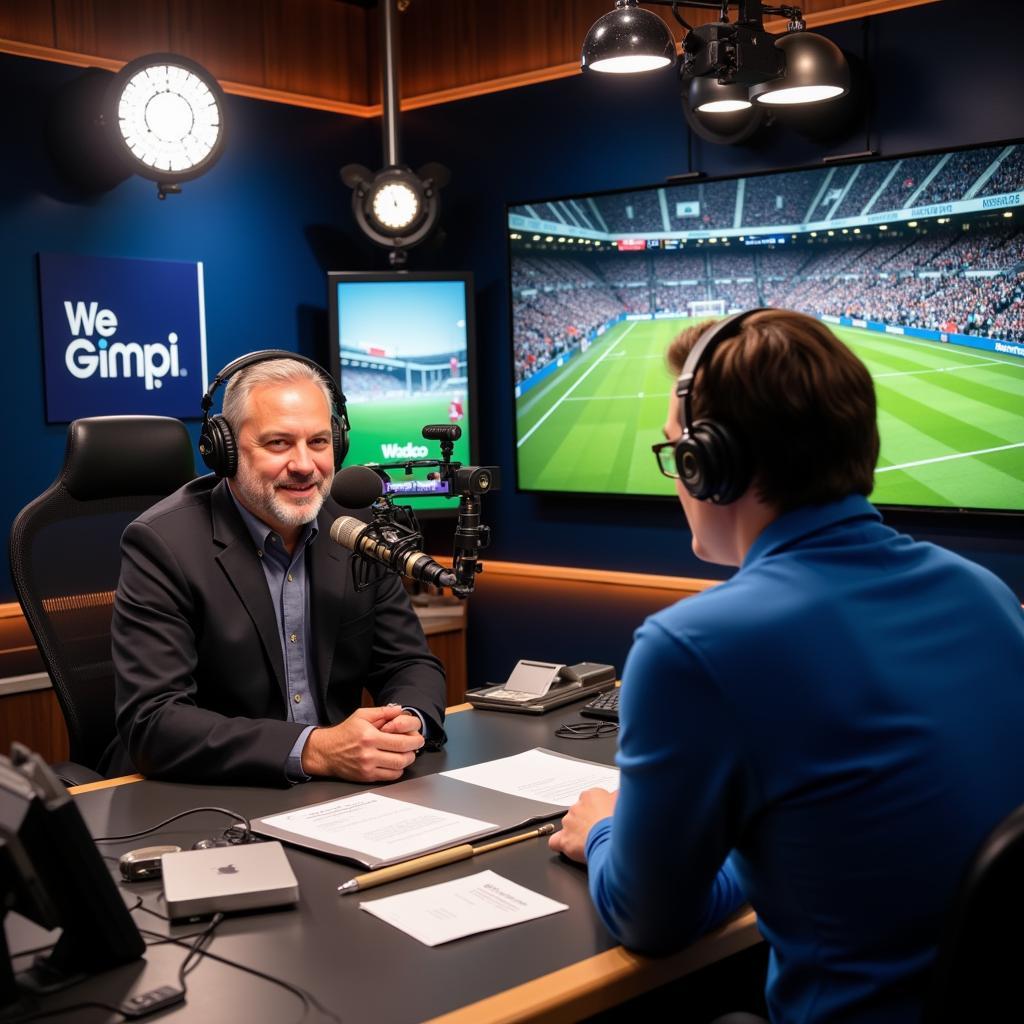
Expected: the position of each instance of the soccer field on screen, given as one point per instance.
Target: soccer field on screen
(951, 419)
(378, 425)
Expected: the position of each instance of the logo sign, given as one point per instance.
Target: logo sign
(121, 336)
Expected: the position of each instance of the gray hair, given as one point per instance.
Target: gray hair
(273, 371)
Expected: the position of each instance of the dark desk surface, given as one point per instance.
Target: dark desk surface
(556, 968)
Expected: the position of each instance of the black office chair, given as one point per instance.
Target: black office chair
(977, 973)
(65, 560)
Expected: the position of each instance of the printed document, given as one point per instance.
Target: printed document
(451, 910)
(379, 826)
(540, 775)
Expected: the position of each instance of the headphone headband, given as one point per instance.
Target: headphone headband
(218, 445)
(265, 355)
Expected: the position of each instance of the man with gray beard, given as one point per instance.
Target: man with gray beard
(240, 646)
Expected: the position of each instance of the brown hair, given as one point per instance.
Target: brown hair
(798, 400)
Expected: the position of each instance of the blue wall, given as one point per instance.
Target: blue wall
(271, 217)
(267, 221)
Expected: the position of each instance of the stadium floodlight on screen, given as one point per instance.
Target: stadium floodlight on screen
(402, 348)
(916, 262)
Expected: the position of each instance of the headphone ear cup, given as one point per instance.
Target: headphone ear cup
(712, 464)
(218, 447)
(339, 437)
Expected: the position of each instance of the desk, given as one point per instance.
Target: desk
(558, 968)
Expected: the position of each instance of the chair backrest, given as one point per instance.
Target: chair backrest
(65, 557)
(975, 977)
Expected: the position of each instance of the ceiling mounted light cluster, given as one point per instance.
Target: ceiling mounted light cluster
(726, 66)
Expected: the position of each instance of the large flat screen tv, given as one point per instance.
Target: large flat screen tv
(402, 348)
(917, 263)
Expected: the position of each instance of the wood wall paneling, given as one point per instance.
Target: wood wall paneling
(320, 47)
(27, 22)
(34, 719)
(226, 37)
(123, 29)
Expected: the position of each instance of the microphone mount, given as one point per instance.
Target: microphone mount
(397, 525)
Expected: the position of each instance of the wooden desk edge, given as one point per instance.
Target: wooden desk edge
(594, 984)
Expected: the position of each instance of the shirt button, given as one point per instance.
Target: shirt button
(291, 578)
(259, 553)
(297, 698)
(294, 637)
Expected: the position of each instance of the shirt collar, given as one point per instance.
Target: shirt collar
(261, 532)
(802, 522)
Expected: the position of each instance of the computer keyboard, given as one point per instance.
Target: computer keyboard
(604, 705)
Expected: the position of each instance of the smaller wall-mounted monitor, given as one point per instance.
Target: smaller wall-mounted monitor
(916, 262)
(402, 348)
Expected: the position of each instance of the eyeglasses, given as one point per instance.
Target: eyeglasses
(587, 730)
(665, 453)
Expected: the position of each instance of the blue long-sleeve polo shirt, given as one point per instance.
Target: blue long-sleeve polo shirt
(830, 734)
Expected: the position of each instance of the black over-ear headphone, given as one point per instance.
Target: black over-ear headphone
(710, 460)
(217, 443)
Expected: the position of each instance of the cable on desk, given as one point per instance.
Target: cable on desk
(234, 834)
(308, 999)
(586, 730)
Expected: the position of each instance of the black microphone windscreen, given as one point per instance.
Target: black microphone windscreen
(356, 487)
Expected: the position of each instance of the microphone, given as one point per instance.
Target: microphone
(357, 536)
(356, 487)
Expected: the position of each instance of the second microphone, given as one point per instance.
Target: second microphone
(357, 536)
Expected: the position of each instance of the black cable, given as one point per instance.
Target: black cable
(246, 828)
(74, 1007)
(307, 998)
(682, 21)
(197, 950)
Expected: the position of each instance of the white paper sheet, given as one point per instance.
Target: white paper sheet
(451, 910)
(539, 775)
(378, 825)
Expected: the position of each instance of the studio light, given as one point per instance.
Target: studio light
(726, 67)
(161, 117)
(627, 40)
(395, 207)
(166, 113)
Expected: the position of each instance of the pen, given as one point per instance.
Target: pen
(435, 860)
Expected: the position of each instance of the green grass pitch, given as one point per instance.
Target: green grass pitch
(380, 423)
(951, 419)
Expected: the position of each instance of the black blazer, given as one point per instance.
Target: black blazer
(200, 683)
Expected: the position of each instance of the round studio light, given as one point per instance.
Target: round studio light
(710, 96)
(167, 116)
(395, 205)
(628, 40)
(816, 70)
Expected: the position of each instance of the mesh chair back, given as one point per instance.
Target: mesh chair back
(975, 975)
(65, 557)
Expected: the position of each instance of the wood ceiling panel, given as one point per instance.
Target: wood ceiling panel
(225, 37)
(30, 23)
(318, 47)
(324, 53)
(120, 29)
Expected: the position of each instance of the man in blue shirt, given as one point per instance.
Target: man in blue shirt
(829, 735)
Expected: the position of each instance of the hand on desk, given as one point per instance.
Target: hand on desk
(371, 745)
(593, 806)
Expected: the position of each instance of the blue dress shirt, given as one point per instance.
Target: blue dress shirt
(830, 734)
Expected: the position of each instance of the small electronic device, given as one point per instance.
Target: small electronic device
(604, 705)
(143, 865)
(538, 686)
(253, 876)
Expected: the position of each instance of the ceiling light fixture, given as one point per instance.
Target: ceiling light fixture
(396, 208)
(726, 67)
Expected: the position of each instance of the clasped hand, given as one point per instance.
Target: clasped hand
(371, 745)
